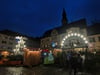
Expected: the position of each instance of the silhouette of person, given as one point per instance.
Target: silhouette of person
(80, 60)
(73, 63)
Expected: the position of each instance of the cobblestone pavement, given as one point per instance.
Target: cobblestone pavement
(38, 70)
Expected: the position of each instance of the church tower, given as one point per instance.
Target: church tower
(64, 19)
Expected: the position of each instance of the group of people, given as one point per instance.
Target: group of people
(75, 62)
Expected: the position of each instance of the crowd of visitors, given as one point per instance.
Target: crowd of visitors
(74, 61)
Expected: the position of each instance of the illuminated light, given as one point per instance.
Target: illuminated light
(68, 35)
(72, 34)
(21, 37)
(18, 49)
(14, 50)
(81, 36)
(17, 37)
(19, 41)
(62, 44)
(84, 38)
(64, 39)
(86, 42)
(45, 53)
(78, 34)
(75, 34)
(94, 52)
(5, 53)
(17, 46)
(24, 46)
(21, 44)
(75, 45)
(23, 41)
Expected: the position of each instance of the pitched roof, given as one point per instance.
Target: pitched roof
(62, 29)
(12, 33)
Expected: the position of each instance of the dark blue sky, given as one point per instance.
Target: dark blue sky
(33, 17)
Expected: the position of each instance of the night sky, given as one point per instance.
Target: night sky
(33, 17)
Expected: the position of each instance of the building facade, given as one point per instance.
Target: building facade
(15, 42)
(94, 37)
(7, 42)
(94, 42)
(67, 35)
(72, 35)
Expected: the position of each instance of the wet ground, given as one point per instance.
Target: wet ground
(37, 70)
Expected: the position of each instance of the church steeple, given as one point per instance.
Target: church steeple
(64, 19)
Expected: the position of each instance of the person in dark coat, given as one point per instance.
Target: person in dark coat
(80, 60)
(73, 64)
